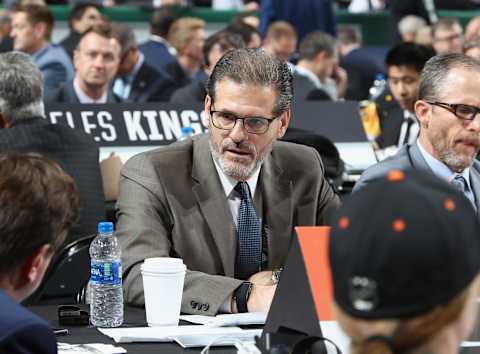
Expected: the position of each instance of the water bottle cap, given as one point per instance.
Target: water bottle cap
(105, 226)
(187, 130)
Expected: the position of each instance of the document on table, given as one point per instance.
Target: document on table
(163, 334)
(470, 344)
(213, 340)
(93, 348)
(237, 319)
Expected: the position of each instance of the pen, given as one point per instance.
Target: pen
(60, 331)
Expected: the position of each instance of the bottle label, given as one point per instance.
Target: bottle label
(106, 273)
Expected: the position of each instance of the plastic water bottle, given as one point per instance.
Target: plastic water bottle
(106, 296)
(379, 85)
(186, 132)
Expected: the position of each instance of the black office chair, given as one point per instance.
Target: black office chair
(66, 276)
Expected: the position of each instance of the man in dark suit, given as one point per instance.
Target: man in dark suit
(317, 75)
(39, 203)
(390, 120)
(361, 65)
(84, 15)
(194, 199)
(96, 61)
(23, 128)
(215, 47)
(31, 31)
(138, 81)
(449, 140)
(158, 52)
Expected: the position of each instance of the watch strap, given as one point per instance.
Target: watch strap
(241, 295)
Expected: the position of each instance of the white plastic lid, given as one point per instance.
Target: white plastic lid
(163, 265)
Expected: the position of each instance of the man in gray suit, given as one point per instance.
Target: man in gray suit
(191, 199)
(31, 31)
(449, 138)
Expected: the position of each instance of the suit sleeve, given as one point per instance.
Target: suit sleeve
(30, 339)
(54, 76)
(144, 230)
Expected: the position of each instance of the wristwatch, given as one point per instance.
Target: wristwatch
(276, 274)
(241, 295)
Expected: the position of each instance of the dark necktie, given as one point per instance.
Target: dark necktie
(409, 123)
(460, 183)
(249, 234)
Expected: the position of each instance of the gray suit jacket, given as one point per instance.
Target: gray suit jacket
(408, 157)
(172, 203)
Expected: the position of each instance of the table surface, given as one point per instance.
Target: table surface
(134, 317)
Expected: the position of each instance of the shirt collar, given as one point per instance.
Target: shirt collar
(41, 51)
(440, 169)
(310, 74)
(229, 183)
(84, 98)
(162, 40)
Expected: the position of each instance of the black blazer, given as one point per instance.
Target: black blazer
(391, 118)
(75, 151)
(193, 92)
(66, 94)
(151, 85)
(305, 89)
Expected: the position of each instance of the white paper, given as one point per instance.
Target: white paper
(190, 341)
(161, 334)
(237, 319)
(332, 331)
(469, 344)
(97, 348)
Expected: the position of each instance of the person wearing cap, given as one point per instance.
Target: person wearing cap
(449, 137)
(405, 279)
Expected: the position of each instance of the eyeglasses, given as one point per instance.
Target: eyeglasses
(461, 111)
(227, 121)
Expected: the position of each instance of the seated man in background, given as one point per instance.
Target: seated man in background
(281, 40)
(447, 36)
(23, 128)
(406, 277)
(96, 61)
(215, 47)
(317, 75)
(390, 121)
(38, 205)
(32, 27)
(83, 16)
(449, 138)
(187, 36)
(136, 80)
(226, 202)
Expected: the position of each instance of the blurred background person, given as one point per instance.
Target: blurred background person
(82, 17)
(187, 36)
(249, 34)
(96, 62)
(157, 50)
(136, 80)
(32, 27)
(360, 63)
(6, 41)
(281, 40)
(447, 35)
(215, 47)
(409, 26)
(317, 75)
(472, 48)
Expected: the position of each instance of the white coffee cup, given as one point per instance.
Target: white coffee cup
(163, 280)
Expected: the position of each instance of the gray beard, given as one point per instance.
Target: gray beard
(237, 170)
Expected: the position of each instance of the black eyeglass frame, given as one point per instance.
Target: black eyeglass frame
(269, 120)
(453, 108)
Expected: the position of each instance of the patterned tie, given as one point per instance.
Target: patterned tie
(460, 184)
(249, 233)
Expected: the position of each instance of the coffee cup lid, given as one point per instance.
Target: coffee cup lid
(163, 265)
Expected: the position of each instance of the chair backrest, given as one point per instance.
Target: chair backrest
(66, 275)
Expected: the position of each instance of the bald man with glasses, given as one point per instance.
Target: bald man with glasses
(226, 202)
(449, 140)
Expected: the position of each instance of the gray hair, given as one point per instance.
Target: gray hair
(411, 23)
(316, 42)
(254, 66)
(436, 70)
(21, 87)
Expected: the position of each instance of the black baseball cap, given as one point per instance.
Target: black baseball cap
(403, 245)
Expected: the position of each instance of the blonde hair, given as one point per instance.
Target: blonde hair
(180, 34)
(402, 335)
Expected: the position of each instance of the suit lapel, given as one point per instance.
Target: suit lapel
(277, 209)
(475, 183)
(213, 203)
(417, 159)
(70, 93)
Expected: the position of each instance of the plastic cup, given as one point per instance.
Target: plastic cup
(163, 280)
